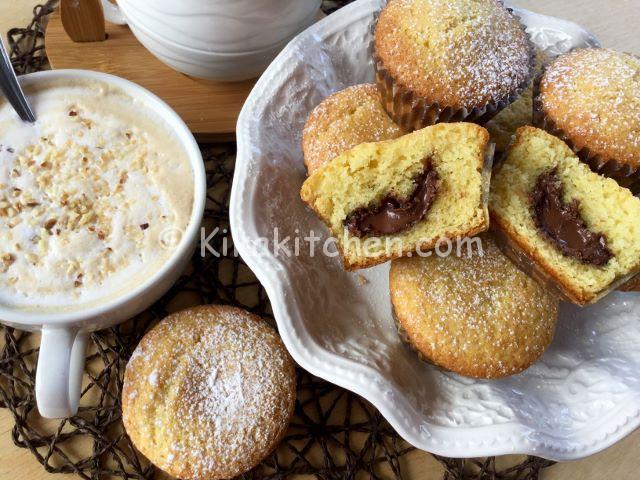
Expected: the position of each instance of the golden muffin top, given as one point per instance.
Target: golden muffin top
(345, 119)
(457, 53)
(593, 95)
(477, 315)
(208, 393)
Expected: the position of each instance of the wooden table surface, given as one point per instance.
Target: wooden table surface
(615, 23)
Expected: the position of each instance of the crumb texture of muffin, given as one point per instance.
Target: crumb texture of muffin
(475, 314)
(365, 175)
(592, 96)
(604, 206)
(503, 126)
(454, 53)
(208, 393)
(347, 118)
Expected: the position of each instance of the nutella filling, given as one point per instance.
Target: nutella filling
(393, 215)
(562, 223)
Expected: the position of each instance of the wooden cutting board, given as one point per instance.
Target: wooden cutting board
(210, 109)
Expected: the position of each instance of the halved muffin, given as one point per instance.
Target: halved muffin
(580, 230)
(386, 200)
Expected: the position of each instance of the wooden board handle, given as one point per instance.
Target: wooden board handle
(83, 20)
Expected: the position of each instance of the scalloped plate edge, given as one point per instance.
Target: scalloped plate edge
(464, 442)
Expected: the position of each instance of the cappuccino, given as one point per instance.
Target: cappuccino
(93, 197)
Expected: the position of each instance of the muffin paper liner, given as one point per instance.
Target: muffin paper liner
(626, 175)
(404, 337)
(413, 112)
(632, 285)
(517, 255)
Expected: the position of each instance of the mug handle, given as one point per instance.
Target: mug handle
(60, 369)
(112, 13)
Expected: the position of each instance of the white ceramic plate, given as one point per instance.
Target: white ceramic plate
(584, 394)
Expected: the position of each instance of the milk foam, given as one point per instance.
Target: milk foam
(87, 196)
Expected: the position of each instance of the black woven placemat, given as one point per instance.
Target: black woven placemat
(334, 435)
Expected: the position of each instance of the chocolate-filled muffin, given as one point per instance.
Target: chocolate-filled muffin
(449, 60)
(388, 199)
(591, 99)
(575, 228)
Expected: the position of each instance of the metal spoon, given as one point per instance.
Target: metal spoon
(11, 88)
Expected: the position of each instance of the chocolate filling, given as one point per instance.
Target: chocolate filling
(393, 215)
(561, 222)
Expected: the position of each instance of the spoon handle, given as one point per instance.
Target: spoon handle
(11, 88)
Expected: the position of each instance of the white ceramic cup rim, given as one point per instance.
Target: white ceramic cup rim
(31, 319)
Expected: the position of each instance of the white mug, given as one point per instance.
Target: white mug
(64, 334)
(214, 39)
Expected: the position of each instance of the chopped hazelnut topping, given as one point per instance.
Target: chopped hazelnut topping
(64, 196)
(49, 224)
(8, 259)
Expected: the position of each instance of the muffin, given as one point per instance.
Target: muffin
(208, 393)
(580, 230)
(342, 121)
(449, 60)
(475, 314)
(590, 98)
(388, 199)
(503, 126)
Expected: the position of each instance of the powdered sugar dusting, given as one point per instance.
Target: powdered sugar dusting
(348, 118)
(503, 126)
(222, 396)
(477, 315)
(459, 53)
(593, 95)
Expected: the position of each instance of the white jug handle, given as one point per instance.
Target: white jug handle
(59, 373)
(113, 13)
